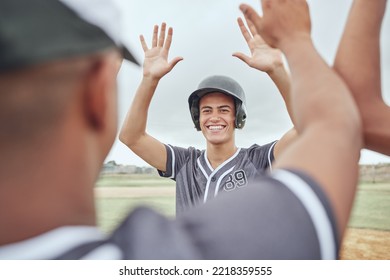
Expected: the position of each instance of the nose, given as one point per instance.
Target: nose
(215, 119)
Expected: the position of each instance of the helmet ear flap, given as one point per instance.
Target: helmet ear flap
(240, 115)
(194, 110)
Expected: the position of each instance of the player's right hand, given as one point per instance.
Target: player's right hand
(156, 63)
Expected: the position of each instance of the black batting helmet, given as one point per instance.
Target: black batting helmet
(224, 85)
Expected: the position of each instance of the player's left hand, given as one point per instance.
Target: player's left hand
(263, 57)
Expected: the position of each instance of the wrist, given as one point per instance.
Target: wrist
(277, 66)
(277, 71)
(295, 43)
(150, 80)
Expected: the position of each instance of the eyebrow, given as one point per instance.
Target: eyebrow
(218, 107)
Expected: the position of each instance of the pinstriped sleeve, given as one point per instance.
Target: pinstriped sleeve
(176, 158)
(262, 156)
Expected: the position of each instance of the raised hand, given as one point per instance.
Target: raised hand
(282, 21)
(263, 57)
(266, 59)
(156, 63)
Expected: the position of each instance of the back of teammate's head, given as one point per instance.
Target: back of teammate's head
(37, 31)
(46, 46)
(222, 84)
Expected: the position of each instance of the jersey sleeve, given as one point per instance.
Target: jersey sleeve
(262, 156)
(176, 158)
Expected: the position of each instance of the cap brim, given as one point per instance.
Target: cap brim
(129, 56)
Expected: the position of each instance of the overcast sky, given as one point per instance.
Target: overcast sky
(206, 34)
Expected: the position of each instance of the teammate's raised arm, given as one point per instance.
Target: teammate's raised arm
(358, 63)
(326, 118)
(156, 65)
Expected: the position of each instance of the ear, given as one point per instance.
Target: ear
(98, 97)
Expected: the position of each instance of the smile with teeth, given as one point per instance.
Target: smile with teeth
(216, 127)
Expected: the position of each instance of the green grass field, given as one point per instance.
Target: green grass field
(371, 208)
(133, 180)
(112, 210)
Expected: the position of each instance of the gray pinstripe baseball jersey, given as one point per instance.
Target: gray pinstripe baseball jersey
(197, 181)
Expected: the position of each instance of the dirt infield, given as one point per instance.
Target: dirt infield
(365, 244)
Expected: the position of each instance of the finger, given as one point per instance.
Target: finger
(162, 35)
(243, 29)
(143, 43)
(242, 57)
(254, 32)
(175, 61)
(155, 34)
(252, 27)
(251, 15)
(169, 39)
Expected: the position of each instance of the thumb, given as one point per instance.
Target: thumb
(242, 57)
(174, 61)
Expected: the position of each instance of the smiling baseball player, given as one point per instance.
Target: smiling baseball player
(217, 108)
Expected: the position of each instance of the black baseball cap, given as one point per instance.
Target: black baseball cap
(38, 31)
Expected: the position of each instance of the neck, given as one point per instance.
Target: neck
(44, 190)
(218, 154)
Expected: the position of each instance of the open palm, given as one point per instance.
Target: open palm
(263, 57)
(156, 63)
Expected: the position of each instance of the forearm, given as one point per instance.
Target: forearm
(358, 56)
(328, 124)
(281, 79)
(134, 126)
(358, 63)
(375, 117)
(319, 94)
